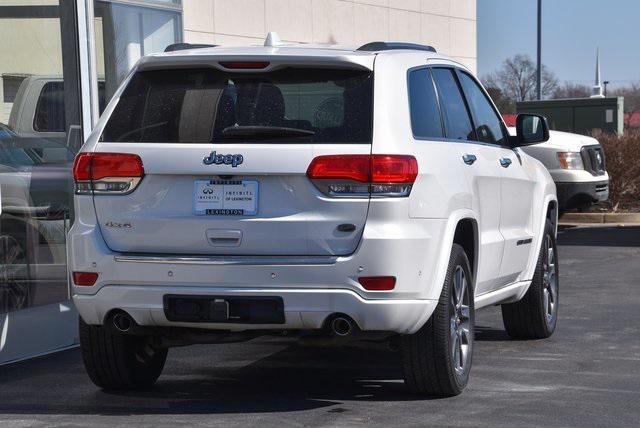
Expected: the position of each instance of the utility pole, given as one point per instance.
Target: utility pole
(539, 70)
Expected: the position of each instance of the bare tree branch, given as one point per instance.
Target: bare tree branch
(571, 90)
(516, 79)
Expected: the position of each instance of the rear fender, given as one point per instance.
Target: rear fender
(445, 250)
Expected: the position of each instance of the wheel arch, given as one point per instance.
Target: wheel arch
(466, 235)
(553, 214)
(465, 223)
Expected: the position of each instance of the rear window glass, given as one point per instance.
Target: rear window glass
(50, 111)
(207, 105)
(49, 115)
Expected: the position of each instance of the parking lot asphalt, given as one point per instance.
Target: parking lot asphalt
(586, 374)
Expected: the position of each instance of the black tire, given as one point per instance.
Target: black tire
(429, 361)
(119, 361)
(536, 314)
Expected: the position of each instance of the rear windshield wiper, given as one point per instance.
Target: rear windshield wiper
(238, 131)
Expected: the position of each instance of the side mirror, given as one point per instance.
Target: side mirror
(531, 129)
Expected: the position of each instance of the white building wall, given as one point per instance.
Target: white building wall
(448, 25)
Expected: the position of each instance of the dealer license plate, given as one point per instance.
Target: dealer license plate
(225, 197)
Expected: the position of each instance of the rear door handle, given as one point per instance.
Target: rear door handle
(505, 162)
(469, 159)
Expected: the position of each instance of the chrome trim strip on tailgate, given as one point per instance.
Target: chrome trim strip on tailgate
(229, 260)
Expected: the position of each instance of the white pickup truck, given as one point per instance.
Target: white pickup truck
(38, 110)
(576, 164)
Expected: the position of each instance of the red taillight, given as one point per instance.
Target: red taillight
(85, 278)
(377, 283)
(94, 166)
(82, 167)
(385, 175)
(245, 65)
(341, 167)
(107, 172)
(393, 169)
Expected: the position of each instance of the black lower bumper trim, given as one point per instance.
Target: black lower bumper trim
(224, 309)
(572, 195)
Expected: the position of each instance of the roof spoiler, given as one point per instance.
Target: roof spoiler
(388, 46)
(184, 46)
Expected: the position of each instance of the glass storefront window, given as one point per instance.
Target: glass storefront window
(41, 117)
(125, 32)
(39, 135)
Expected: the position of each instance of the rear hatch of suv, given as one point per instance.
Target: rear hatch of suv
(213, 160)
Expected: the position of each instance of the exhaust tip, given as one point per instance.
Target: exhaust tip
(122, 322)
(341, 326)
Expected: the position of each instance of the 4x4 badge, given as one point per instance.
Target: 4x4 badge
(214, 158)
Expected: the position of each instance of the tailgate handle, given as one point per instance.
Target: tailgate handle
(224, 237)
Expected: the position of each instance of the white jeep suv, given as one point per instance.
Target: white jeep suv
(369, 193)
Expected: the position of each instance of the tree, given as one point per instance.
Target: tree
(631, 94)
(571, 90)
(516, 79)
(504, 104)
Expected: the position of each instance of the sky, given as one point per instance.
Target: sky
(571, 31)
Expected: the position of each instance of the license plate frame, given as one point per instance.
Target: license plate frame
(213, 197)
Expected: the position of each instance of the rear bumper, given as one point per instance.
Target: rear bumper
(312, 287)
(573, 194)
(305, 309)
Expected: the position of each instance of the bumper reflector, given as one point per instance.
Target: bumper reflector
(377, 283)
(85, 278)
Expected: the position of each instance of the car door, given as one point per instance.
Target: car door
(479, 162)
(516, 182)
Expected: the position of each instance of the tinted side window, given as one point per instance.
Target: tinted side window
(456, 118)
(49, 115)
(425, 114)
(488, 125)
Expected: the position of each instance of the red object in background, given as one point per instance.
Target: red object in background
(632, 119)
(509, 119)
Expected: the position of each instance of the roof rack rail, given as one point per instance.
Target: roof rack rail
(184, 46)
(387, 46)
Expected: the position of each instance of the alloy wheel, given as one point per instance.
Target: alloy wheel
(549, 280)
(460, 323)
